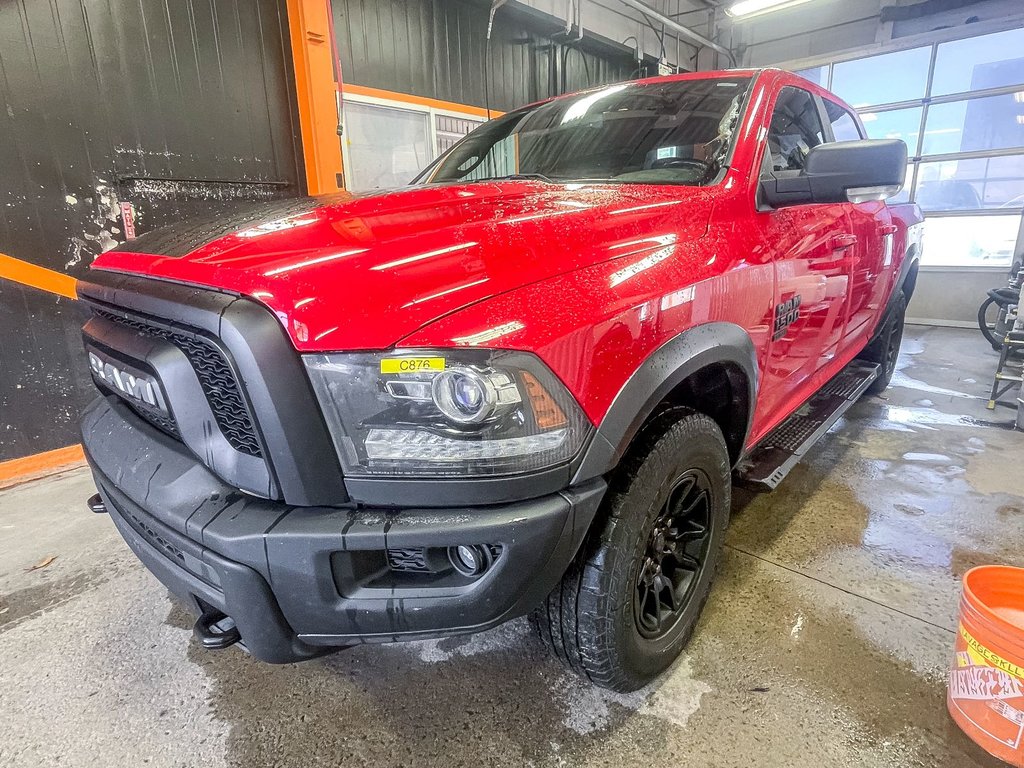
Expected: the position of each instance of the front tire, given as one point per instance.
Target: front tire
(630, 600)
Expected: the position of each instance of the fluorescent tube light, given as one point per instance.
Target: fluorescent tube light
(757, 7)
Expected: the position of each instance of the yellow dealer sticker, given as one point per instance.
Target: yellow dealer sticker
(411, 364)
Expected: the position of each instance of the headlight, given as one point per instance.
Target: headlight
(445, 413)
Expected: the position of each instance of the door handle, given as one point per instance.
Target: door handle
(842, 241)
(889, 229)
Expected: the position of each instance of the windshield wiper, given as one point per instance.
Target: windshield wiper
(522, 176)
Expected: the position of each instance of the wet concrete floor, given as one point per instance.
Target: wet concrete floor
(825, 642)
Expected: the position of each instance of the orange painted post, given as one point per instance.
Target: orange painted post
(37, 277)
(39, 465)
(312, 52)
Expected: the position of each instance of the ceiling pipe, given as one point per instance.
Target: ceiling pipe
(689, 34)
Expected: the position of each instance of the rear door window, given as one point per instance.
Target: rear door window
(844, 125)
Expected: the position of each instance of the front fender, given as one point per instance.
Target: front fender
(671, 364)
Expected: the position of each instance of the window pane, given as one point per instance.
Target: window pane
(795, 128)
(450, 129)
(646, 133)
(844, 127)
(966, 185)
(387, 147)
(908, 180)
(895, 124)
(978, 241)
(989, 61)
(898, 76)
(817, 75)
(996, 122)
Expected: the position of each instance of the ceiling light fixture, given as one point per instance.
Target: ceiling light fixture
(748, 8)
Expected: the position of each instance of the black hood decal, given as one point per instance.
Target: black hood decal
(177, 240)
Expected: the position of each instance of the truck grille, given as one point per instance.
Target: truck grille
(160, 421)
(215, 377)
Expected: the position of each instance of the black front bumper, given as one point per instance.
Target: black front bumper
(300, 580)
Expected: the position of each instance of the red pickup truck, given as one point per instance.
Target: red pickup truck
(524, 383)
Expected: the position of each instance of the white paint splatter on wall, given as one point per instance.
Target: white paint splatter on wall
(152, 189)
(101, 225)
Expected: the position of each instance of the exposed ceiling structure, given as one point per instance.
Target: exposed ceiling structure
(674, 30)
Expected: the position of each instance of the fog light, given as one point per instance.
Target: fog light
(469, 561)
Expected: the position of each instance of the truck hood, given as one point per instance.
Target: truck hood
(349, 272)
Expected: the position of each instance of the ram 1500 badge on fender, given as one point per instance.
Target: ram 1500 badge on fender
(523, 384)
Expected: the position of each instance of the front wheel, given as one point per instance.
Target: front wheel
(630, 600)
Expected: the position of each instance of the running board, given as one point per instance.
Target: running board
(784, 446)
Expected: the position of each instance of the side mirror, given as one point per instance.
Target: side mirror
(840, 172)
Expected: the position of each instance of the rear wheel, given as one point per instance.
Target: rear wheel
(885, 349)
(630, 600)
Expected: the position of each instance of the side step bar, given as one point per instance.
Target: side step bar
(784, 446)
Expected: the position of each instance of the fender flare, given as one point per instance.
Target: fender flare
(910, 261)
(671, 364)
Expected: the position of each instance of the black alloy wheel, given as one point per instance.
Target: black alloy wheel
(677, 550)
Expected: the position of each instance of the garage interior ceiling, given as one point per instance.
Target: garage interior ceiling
(670, 23)
(817, 27)
(829, 27)
(623, 20)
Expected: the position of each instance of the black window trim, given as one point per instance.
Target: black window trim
(759, 162)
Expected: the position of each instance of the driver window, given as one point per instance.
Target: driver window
(794, 129)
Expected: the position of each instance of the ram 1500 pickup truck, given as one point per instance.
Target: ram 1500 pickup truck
(526, 382)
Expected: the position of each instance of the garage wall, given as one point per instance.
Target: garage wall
(436, 49)
(175, 107)
(951, 296)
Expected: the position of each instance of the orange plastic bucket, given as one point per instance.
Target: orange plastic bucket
(986, 680)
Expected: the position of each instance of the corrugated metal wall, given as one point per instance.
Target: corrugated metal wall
(176, 106)
(435, 48)
(181, 107)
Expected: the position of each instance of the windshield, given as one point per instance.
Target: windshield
(676, 132)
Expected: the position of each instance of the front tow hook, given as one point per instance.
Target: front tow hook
(212, 637)
(96, 504)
